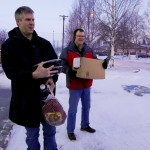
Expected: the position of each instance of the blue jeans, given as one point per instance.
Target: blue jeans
(74, 96)
(32, 138)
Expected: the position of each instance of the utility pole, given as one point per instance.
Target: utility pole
(53, 40)
(63, 35)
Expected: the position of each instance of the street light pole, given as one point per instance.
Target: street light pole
(63, 33)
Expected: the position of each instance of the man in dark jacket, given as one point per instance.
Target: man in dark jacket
(20, 53)
(78, 87)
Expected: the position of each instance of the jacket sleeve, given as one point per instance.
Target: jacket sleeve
(64, 63)
(11, 67)
(94, 55)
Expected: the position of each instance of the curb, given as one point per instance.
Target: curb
(5, 133)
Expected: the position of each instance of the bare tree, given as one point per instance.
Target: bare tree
(83, 16)
(129, 33)
(123, 37)
(137, 25)
(100, 19)
(147, 24)
(112, 12)
(3, 36)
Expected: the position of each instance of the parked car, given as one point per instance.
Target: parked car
(143, 56)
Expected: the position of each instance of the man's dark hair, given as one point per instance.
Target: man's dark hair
(75, 31)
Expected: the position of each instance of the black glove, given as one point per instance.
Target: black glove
(72, 73)
(105, 63)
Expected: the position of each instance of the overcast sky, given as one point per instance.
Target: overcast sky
(48, 22)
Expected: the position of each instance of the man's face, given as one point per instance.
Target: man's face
(26, 24)
(79, 38)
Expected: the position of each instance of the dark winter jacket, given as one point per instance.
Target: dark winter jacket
(19, 55)
(67, 56)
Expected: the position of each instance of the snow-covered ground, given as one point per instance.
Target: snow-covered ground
(121, 118)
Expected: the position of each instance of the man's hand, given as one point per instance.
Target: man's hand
(72, 73)
(105, 63)
(50, 84)
(42, 72)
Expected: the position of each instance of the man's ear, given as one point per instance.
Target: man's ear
(17, 22)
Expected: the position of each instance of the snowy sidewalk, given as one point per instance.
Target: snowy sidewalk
(121, 118)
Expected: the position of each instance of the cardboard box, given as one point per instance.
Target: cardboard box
(91, 69)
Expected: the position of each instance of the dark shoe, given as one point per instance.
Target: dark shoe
(71, 136)
(88, 129)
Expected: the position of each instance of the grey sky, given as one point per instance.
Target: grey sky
(47, 17)
(48, 23)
